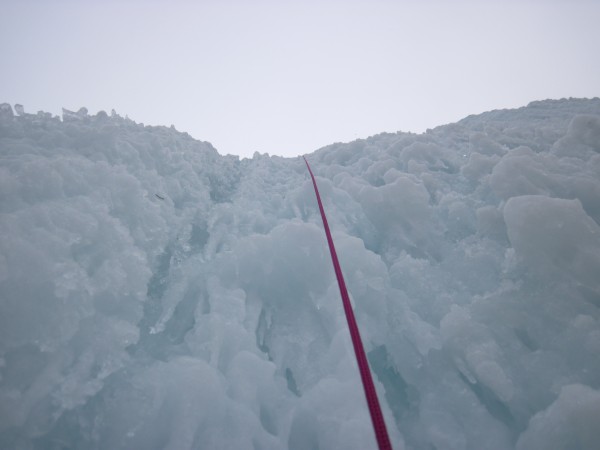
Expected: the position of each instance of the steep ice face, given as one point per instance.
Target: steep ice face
(154, 294)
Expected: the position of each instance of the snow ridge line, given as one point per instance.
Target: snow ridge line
(381, 434)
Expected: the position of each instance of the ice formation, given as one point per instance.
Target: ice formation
(157, 295)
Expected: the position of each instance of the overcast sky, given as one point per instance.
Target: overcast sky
(289, 77)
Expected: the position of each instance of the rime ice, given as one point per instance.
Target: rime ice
(155, 294)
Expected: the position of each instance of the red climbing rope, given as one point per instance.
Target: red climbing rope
(383, 440)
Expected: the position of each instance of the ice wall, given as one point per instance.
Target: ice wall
(154, 294)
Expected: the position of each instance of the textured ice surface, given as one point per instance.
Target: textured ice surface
(154, 294)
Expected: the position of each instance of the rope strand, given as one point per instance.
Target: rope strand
(381, 434)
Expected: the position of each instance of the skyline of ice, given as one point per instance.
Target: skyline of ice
(287, 78)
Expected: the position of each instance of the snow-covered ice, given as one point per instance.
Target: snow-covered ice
(155, 294)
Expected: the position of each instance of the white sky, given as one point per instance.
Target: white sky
(289, 77)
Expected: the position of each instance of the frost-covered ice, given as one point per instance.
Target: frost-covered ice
(154, 294)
